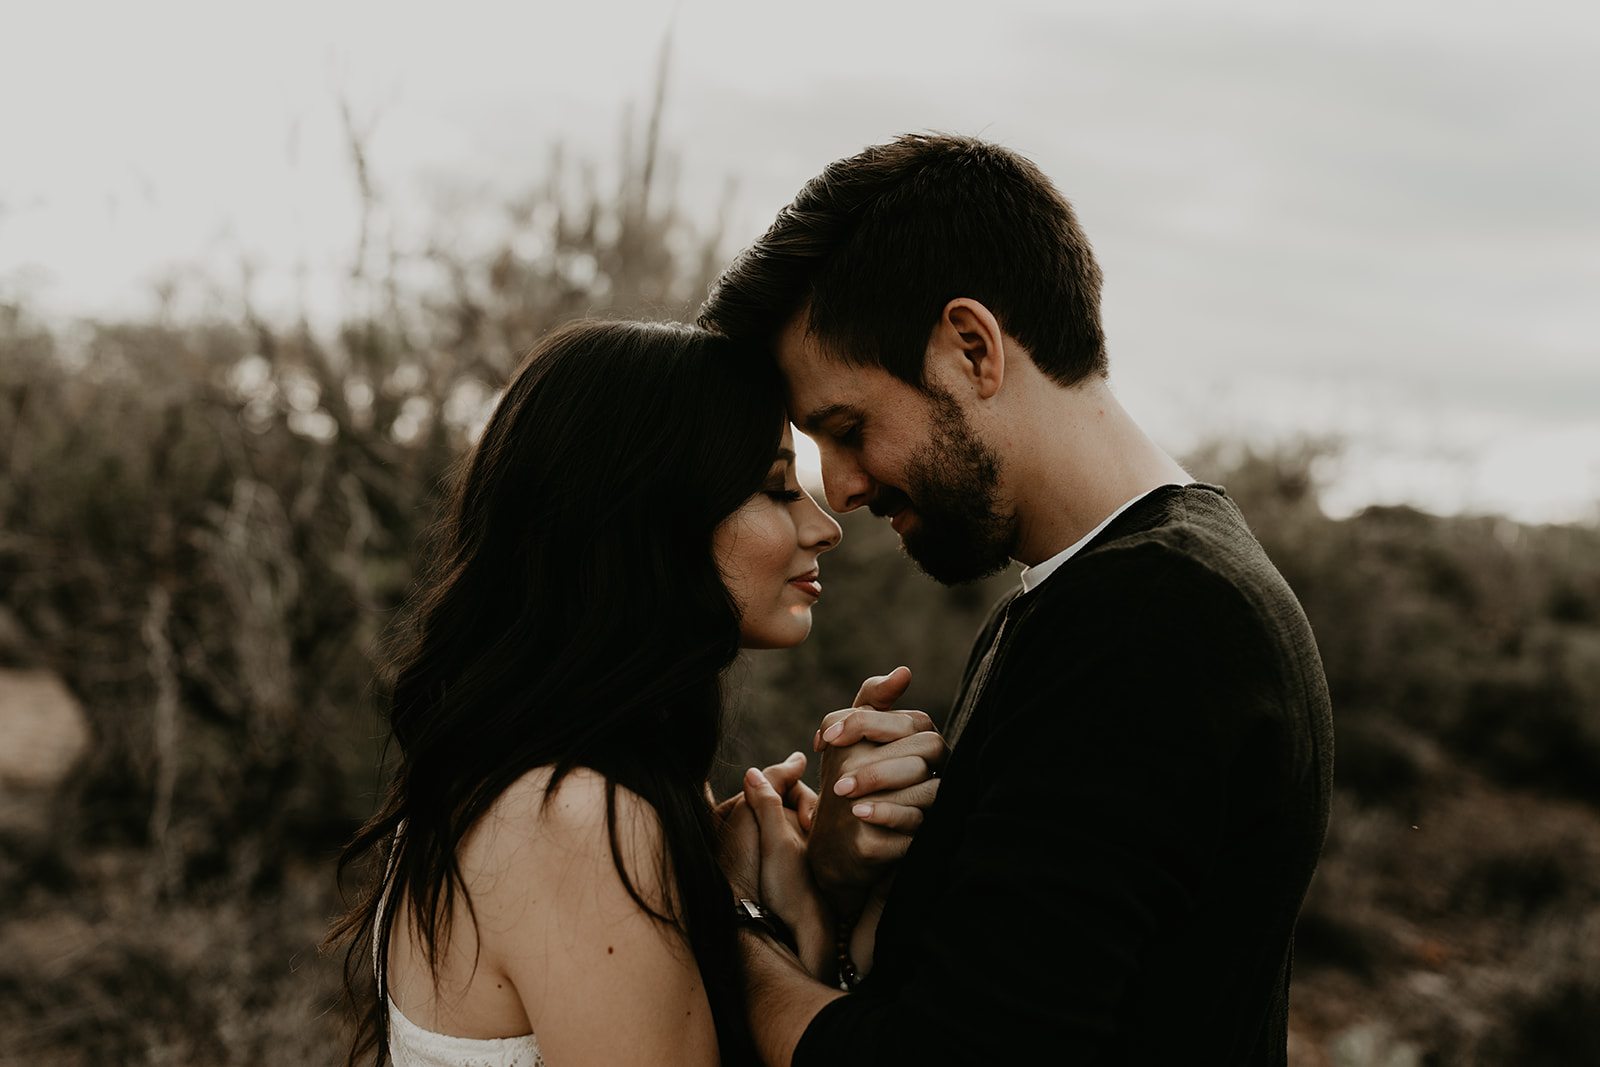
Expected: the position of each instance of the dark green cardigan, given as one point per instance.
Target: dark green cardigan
(1127, 826)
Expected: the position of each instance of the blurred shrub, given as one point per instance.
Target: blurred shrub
(1456, 904)
(1475, 633)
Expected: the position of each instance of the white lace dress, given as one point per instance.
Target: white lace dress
(412, 1046)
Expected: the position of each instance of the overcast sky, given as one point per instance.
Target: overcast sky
(1375, 218)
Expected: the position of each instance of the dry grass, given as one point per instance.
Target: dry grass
(97, 971)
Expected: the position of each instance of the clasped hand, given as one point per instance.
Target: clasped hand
(810, 857)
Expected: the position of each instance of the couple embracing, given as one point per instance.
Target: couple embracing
(1098, 859)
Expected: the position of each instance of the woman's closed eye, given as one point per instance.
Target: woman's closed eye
(784, 494)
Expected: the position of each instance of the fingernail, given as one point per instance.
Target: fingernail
(843, 786)
(795, 755)
(861, 811)
(833, 731)
(754, 776)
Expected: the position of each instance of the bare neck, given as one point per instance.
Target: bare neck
(1077, 457)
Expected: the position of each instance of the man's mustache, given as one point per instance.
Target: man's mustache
(888, 501)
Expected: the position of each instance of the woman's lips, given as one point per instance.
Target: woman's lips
(808, 584)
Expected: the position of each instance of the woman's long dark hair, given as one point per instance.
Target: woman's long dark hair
(575, 617)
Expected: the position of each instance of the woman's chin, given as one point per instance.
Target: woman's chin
(785, 632)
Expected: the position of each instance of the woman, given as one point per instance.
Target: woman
(547, 850)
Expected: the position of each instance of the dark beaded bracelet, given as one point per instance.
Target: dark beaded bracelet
(849, 977)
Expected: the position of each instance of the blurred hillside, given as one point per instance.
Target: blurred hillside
(209, 522)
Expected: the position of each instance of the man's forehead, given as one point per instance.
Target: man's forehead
(798, 346)
(815, 378)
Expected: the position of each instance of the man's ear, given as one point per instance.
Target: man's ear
(967, 342)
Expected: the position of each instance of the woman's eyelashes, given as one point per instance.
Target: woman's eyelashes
(784, 494)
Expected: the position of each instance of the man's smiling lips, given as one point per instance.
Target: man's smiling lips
(895, 506)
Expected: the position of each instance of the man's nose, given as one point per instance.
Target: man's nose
(845, 484)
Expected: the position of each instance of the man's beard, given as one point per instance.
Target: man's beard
(960, 535)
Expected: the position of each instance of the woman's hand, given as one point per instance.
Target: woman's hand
(740, 854)
(784, 877)
(886, 763)
(740, 851)
(786, 779)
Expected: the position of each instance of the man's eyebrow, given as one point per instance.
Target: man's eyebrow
(814, 420)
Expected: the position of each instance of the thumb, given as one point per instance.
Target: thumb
(805, 806)
(881, 691)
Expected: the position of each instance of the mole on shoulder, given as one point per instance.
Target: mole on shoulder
(609, 950)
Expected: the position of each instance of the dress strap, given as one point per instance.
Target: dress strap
(383, 904)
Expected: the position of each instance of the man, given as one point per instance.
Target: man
(1138, 785)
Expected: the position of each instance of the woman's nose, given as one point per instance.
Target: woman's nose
(820, 530)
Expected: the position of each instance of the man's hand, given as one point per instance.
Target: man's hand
(878, 693)
(878, 776)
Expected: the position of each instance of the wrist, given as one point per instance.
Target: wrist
(751, 914)
(844, 893)
(814, 935)
(782, 998)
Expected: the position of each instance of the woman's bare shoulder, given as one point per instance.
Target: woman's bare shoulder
(575, 944)
(532, 835)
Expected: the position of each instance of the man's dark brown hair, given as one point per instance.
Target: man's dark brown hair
(876, 245)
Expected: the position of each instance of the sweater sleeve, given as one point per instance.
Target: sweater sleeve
(1094, 801)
